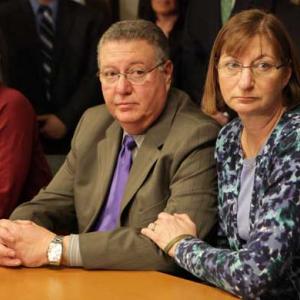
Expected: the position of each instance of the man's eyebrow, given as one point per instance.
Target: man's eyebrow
(130, 65)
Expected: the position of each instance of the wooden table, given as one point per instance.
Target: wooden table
(73, 284)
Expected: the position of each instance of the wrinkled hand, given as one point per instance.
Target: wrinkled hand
(51, 126)
(23, 243)
(167, 227)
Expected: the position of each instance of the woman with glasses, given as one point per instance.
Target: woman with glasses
(254, 71)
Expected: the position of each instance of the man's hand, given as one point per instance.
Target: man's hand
(24, 242)
(51, 126)
(7, 254)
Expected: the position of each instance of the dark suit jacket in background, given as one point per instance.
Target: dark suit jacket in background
(105, 6)
(174, 171)
(74, 83)
(203, 22)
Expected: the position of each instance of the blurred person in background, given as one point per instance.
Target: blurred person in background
(169, 15)
(52, 61)
(23, 167)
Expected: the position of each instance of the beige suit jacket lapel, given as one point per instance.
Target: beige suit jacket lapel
(149, 152)
(107, 151)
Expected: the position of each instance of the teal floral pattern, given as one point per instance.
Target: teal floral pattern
(267, 266)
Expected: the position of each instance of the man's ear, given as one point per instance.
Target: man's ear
(168, 71)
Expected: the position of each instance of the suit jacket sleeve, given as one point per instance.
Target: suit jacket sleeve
(125, 248)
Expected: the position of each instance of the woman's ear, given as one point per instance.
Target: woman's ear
(287, 76)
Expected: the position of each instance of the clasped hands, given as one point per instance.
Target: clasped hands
(167, 227)
(23, 243)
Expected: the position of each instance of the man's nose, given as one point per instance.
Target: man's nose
(123, 86)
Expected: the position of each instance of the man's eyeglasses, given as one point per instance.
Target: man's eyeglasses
(136, 75)
(258, 69)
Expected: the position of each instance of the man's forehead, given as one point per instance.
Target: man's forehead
(127, 46)
(135, 51)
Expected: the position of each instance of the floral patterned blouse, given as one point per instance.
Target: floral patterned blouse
(267, 265)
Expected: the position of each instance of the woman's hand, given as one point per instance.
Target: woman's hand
(167, 227)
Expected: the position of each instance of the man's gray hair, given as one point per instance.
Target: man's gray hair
(136, 30)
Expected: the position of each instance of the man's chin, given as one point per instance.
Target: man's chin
(123, 119)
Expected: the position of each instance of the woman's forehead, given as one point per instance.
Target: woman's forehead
(260, 44)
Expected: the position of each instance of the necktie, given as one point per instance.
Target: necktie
(47, 41)
(226, 8)
(110, 213)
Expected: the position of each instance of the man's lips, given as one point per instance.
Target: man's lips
(125, 105)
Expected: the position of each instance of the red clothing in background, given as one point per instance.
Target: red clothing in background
(23, 167)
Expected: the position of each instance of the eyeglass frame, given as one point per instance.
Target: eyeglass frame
(125, 74)
(252, 68)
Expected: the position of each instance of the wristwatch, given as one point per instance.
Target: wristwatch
(55, 251)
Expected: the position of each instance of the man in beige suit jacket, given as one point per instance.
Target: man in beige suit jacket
(173, 168)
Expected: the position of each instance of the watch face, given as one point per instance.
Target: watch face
(55, 252)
